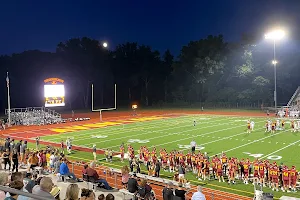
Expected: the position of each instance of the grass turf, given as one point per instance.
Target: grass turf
(213, 133)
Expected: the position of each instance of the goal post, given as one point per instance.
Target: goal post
(103, 109)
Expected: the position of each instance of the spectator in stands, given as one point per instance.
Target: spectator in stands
(125, 175)
(52, 161)
(180, 192)
(72, 192)
(44, 189)
(12, 145)
(198, 195)
(28, 182)
(3, 182)
(23, 149)
(6, 159)
(33, 161)
(57, 165)
(87, 194)
(144, 189)
(132, 185)
(168, 192)
(110, 197)
(101, 197)
(64, 170)
(15, 160)
(18, 176)
(7, 143)
(90, 172)
(18, 147)
(18, 185)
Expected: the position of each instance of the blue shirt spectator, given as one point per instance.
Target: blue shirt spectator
(64, 170)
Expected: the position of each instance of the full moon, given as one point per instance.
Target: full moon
(105, 44)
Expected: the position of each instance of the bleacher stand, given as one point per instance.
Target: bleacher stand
(33, 116)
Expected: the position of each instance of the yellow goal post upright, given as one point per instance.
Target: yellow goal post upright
(103, 109)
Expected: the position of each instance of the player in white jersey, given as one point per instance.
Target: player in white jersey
(252, 123)
(277, 124)
(296, 127)
(194, 122)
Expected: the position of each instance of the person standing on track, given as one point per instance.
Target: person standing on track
(62, 147)
(95, 152)
(69, 145)
(193, 146)
(37, 142)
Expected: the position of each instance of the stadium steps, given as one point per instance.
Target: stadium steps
(294, 96)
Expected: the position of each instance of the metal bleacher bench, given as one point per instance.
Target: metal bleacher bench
(126, 192)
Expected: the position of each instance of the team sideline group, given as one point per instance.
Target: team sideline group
(220, 167)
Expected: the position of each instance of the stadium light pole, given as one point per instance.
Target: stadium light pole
(8, 100)
(275, 35)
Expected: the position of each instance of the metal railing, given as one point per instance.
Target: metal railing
(20, 192)
(116, 173)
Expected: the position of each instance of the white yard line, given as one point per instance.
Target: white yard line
(131, 129)
(161, 131)
(175, 134)
(271, 135)
(111, 130)
(291, 144)
(195, 136)
(243, 133)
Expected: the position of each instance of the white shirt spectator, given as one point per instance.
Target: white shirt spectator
(52, 159)
(198, 195)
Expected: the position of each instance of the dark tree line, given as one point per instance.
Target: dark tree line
(207, 72)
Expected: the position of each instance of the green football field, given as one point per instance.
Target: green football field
(213, 134)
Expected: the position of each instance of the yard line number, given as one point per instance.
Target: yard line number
(258, 155)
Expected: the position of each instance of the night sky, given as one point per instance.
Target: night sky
(163, 24)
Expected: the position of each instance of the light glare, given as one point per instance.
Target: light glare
(54, 91)
(275, 35)
(274, 62)
(105, 45)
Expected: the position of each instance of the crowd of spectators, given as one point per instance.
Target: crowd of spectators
(30, 171)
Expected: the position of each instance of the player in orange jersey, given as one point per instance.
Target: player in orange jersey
(246, 166)
(206, 166)
(293, 178)
(285, 179)
(261, 173)
(273, 127)
(231, 168)
(215, 160)
(255, 173)
(293, 126)
(275, 177)
(220, 171)
(224, 162)
(267, 127)
(248, 126)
